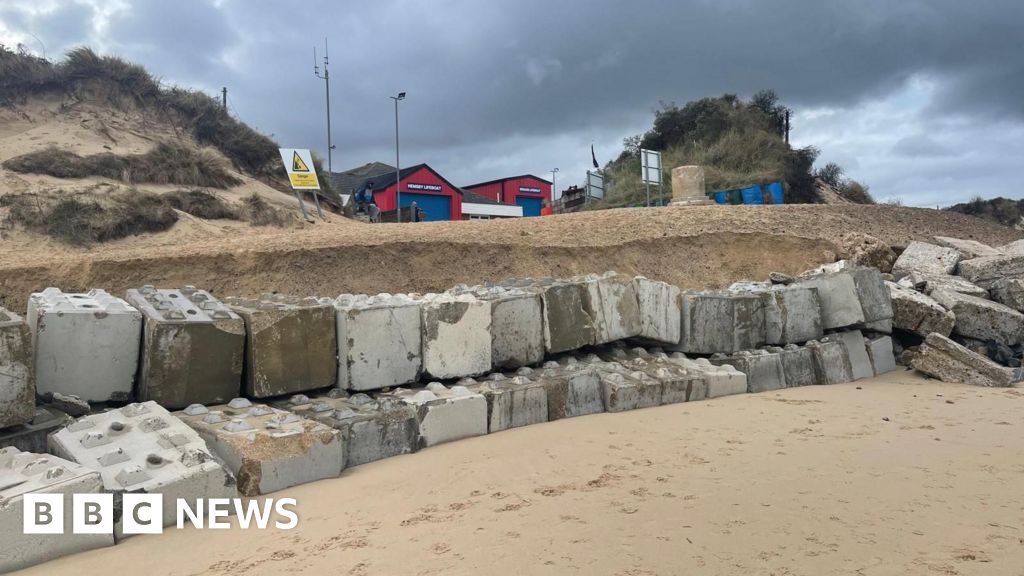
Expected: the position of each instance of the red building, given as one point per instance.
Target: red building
(432, 193)
(527, 191)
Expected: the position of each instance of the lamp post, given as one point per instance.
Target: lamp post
(554, 186)
(398, 169)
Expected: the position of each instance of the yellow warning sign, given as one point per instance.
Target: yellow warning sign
(298, 162)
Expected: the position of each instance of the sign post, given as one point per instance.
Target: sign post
(595, 186)
(650, 173)
(298, 163)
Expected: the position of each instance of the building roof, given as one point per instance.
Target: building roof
(477, 185)
(382, 180)
(350, 181)
(474, 198)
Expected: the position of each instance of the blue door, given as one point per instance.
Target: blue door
(436, 207)
(531, 206)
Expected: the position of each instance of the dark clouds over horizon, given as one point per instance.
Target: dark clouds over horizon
(919, 99)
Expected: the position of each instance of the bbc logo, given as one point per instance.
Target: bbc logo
(92, 514)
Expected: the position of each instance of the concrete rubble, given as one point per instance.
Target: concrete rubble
(17, 373)
(143, 448)
(721, 322)
(24, 473)
(193, 347)
(1010, 292)
(456, 335)
(511, 401)
(982, 319)
(926, 258)
(660, 306)
(445, 414)
(928, 283)
(267, 449)
(988, 270)
(32, 435)
(290, 345)
(967, 248)
(379, 341)
(919, 314)
(941, 358)
(764, 369)
(373, 428)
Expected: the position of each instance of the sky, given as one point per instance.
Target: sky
(918, 99)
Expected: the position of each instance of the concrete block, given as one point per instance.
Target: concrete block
(873, 295)
(987, 270)
(1012, 248)
(678, 382)
(660, 308)
(797, 364)
(764, 370)
(721, 322)
(373, 429)
(85, 344)
(266, 448)
(914, 312)
(1010, 292)
(792, 315)
(31, 436)
(24, 473)
(928, 283)
(857, 352)
(967, 248)
(291, 344)
(567, 324)
(723, 380)
(17, 379)
(456, 335)
(517, 325)
(574, 389)
(926, 258)
(445, 414)
(143, 448)
(941, 358)
(379, 341)
(840, 302)
(831, 361)
(193, 347)
(512, 402)
(883, 358)
(624, 389)
(982, 319)
(612, 305)
(688, 184)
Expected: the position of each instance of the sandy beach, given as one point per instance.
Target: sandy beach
(895, 475)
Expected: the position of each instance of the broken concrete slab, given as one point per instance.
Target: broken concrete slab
(967, 248)
(86, 344)
(1010, 292)
(511, 402)
(193, 347)
(764, 370)
(881, 353)
(291, 344)
(612, 305)
(445, 414)
(857, 352)
(574, 389)
(143, 448)
(922, 315)
(797, 364)
(24, 473)
(71, 405)
(928, 283)
(456, 335)
(660, 310)
(982, 319)
(17, 373)
(31, 436)
(724, 322)
(373, 429)
(941, 358)
(927, 258)
(567, 324)
(987, 270)
(840, 302)
(831, 361)
(266, 448)
(1013, 248)
(379, 341)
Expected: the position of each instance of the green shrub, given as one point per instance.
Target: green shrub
(201, 204)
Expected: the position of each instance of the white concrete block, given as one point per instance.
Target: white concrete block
(266, 448)
(574, 389)
(379, 341)
(511, 402)
(612, 304)
(881, 353)
(926, 258)
(831, 361)
(840, 302)
(660, 307)
(764, 370)
(143, 448)
(456, 335)
(446, 414)
(624, 389)
(23, 473)
(17, 379)
(85, 344)
(678, 383)
(722, 380)
(860, 362)
(517, 324)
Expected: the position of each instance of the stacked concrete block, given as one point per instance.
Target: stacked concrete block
(567, 324)
(612, 305)
(840, 302)
(678, 383)
(874, 298)
(982, 319)
(512, 402)
(926, 258)
(941, 358)
(723, 322)
(880, 351)
(373, 429)
(143, 448)
(379, 341)
(792, 313)
(797, 364)
(764, 369)
(922, 315)
(723, 380)
(624, 389)
(24, 473)
(445, 414)
(988, 270)
(857, 352)
(32, 435)
(574, 389)
(291, 344)
(17, 379)
(660, 308)
(85, 344)
(267, 449)
(1009, 291)
(967, 248)
(928, 283)
(517, 324)
(831, 361)
(456, 335)
(193, 347)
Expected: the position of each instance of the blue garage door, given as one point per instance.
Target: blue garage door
(531, 206)
(436, 207)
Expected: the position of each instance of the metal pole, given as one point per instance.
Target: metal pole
(647, 183)
(398, 173)
(327, 81)
(305, 215)
(224, 93)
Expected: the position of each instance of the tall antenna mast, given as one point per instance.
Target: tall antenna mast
(326, 77)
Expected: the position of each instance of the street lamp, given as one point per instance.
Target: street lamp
(553, 185)
(398, 170)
